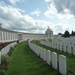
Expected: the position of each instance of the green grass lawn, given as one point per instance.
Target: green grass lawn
(70, 58)
(50, 40)
(24, 62)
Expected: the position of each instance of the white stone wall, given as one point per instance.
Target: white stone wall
(34, 36)
(8, 36)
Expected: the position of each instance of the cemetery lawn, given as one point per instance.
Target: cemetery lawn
(24, 62)
(70, 57)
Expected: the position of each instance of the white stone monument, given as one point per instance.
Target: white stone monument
(49, 32)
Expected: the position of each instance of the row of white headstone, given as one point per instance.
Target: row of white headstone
(60, 46)
(6, 49)
(70, 40)
(50, 58)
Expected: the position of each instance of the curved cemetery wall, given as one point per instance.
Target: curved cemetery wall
(8, 35)
(50, 58)
(34, 36)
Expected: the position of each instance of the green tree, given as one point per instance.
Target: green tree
(66, 34)
(72, 33)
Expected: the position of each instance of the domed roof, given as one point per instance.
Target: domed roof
(49, 30)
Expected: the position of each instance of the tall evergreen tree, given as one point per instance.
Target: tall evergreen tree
(66, 34)
(72, 34)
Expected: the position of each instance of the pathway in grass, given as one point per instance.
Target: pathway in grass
(24, 62)
(70, 58)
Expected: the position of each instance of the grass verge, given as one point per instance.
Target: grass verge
(24, 62)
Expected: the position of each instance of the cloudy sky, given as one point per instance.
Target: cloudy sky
(34, 16)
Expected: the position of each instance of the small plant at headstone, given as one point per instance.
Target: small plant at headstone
(3, 44)
(11, 50)
(0, 48)
(18, 41)
(2, 66)
(5, 58)
(2, 72)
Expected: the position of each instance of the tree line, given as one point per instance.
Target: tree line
(67, 34)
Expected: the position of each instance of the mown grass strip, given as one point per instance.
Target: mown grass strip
(24, 62)
(70, 57)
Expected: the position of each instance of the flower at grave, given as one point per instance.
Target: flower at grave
(6, 64)
(17, 41)
(3, 44)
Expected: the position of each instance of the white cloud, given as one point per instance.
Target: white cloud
(61, 28)
(15, 1)
(47, 0)
(50, 12)
(36, 12)
(60, 8)
(12, 18)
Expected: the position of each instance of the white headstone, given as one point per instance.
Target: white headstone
(54, 45)
(50, 44)
(64, 49)
(57, 46)
(44, 54)
(54, 60)
(69, 49)
(48, 57)
(0, 57)
(73, 49)
(60, 47)
(41, 52)
(62, 65)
